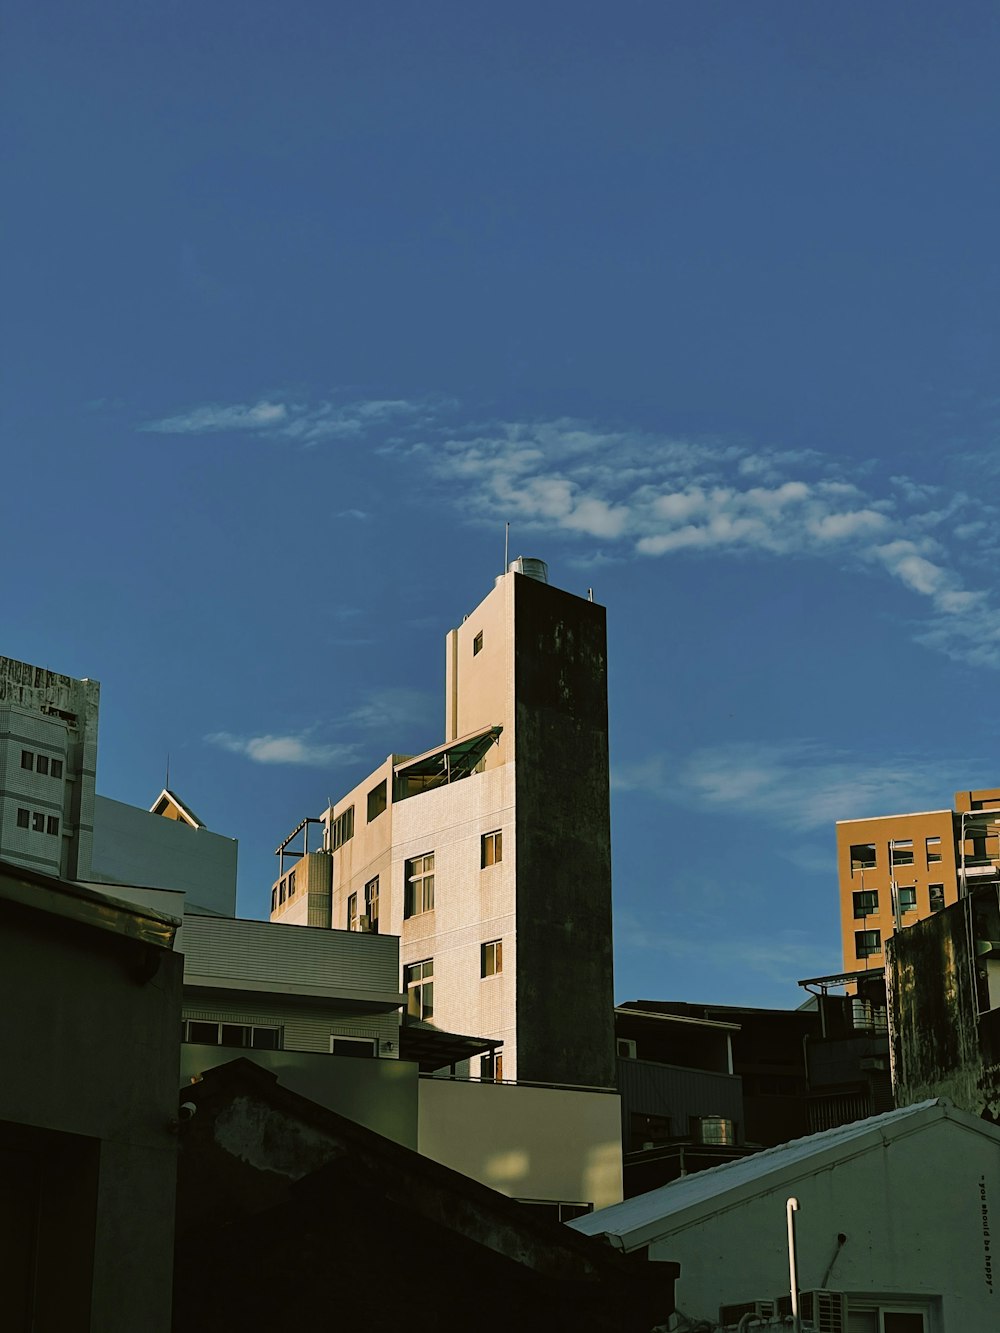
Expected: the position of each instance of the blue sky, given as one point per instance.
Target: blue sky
(302, 302)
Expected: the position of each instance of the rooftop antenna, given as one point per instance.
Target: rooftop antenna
(590, 594)
(506, 544)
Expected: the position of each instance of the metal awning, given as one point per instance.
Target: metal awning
(446, 763)
(844, 978)
(434, 1049)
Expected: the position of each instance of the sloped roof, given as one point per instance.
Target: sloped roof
(648, 1217)
(169, 798)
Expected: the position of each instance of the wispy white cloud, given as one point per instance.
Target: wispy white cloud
(288, 749)
(395, 709)
(800, 786)
(626, 494)
(304, 423)
(213, 417)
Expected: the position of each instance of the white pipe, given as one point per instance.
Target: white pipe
(791, 1208)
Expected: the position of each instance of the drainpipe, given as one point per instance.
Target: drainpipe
(791, 1208)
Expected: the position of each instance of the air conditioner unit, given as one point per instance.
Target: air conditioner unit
(626, 1048)
(730, 1315)
(825, 1311)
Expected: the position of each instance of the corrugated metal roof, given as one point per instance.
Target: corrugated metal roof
(667, 1209)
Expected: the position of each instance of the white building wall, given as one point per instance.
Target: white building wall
(913, 1213)
(471, 905)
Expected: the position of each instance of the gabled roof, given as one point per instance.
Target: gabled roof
(649, 1217)
(168, 800)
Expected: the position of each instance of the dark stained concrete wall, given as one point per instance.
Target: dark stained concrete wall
(944, 1041)
(565, 1000)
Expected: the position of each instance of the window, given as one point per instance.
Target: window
(936, 894)
(419, 888)
(56, 768)
(38, 822)
(42, 763)
(274, 899)
(291, 883)
(281, 888)
(491, 1067)
(210, 1033)
(867, 942)
(418, 982)
(343, 828)
(491, 849)
(371, 904)
(477, 644)
(866, 903)
(863, 856)
(355, 1048)
(352, 911)
(27, 760)
(23, 818)
(933, 850)
(52, 825)
(907, 899)
(898, 1316)
(491, 958)
(901, 852)
(377, 800)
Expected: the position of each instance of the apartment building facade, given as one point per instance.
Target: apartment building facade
(894, 870)
(52, 820)
(490, 855)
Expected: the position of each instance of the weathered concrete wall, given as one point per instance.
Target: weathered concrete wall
(942, 1035)
(90, 1070)
(565, 1003)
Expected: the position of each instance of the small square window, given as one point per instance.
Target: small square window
(901, 852)
(491, 848)
(38, 822)
(377, 800)
(491, 958)
(56, 768)
(867, 942)
(935, 893)
(477, 644)
(42, 763)
(907, 899)
(865, 903)
(24, 818)
(863, 856)
(52, 825)
(27, 760)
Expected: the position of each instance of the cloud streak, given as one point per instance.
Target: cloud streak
(288, 749)
(299, 422)
(800, 786)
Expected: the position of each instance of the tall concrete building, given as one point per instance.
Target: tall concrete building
(52, 820)
(894, 870)
(490, 854)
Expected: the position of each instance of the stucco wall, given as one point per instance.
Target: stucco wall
(528, 1143)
